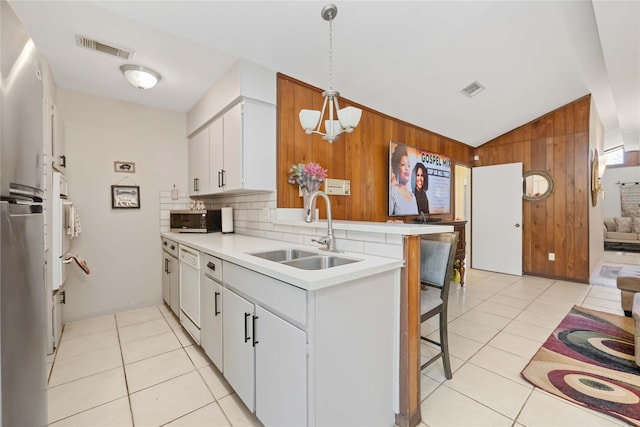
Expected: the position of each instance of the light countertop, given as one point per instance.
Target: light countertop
(237, 248)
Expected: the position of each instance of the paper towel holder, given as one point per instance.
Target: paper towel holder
(227, 220)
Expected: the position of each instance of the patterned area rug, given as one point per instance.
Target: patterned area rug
(606, 274)
(610, 271)
(589, 360)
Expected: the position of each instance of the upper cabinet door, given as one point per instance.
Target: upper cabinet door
(233, 149)
(199, 163)
(216, 155)
(250, 147)
(259, 146)
(236, 152)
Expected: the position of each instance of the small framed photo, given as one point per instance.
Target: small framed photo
(129, 167)
(125, 197)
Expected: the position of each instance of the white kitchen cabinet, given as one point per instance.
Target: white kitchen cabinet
(250, 147)
(239, 367)
(269, 343)
(216, 155)
(171, 275)
(299, 357)
(240, 153)
(199, 163)
(281, 371)
(171, 283)
(166, 280)
(315, 349)
(211, 309)
(227, 151)
(265, 362)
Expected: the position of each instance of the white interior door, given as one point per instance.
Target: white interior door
(497, 218)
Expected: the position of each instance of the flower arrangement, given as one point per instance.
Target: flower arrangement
(308, 177)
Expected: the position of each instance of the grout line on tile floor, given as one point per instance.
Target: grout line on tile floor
(55, 356)
(124, 372)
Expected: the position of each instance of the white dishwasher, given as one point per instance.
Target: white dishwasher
(190, 291)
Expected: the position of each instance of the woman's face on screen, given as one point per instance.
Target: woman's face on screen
(405, 170)
(419, 179)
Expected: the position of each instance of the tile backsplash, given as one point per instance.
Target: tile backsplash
(253, 215)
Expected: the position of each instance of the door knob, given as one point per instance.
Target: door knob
(517, 225)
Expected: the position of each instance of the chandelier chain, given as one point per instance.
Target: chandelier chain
(330, 51)
(341, 120)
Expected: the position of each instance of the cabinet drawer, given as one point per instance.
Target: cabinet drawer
(211, 266)
(281, 297)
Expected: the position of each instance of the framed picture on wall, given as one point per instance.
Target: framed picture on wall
(125, 197)
(120, 166)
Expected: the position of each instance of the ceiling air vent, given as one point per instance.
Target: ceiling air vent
(82, 41)
(472, 89)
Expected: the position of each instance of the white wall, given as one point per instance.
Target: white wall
(610, 182)
(463, 204)
(121, 246)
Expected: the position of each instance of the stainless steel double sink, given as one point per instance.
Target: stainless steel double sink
(305, 260)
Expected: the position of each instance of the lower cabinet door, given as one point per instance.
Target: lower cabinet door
(281, 371)
(238, 351)
(166, 280)
(211, 320)
(174, 285)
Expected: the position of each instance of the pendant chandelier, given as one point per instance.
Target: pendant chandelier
(347, 118)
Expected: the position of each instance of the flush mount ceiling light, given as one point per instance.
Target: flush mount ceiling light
(139, 76)
(349, 117)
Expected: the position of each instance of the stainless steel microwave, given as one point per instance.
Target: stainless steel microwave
(196, 221)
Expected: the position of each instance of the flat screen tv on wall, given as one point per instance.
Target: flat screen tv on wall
(419, 181)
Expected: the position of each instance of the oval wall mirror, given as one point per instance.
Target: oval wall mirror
(536, 185)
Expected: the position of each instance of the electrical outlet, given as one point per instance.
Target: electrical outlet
(552, 256)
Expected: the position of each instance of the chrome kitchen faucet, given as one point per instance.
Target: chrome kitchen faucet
(328, 241)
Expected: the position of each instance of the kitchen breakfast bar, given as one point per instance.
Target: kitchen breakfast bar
(345, 343)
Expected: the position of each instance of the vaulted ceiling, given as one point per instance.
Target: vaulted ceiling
(408, 59)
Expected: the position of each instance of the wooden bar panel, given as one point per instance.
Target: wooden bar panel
(409, 413)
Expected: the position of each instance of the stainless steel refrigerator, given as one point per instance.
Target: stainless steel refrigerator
(23, 378)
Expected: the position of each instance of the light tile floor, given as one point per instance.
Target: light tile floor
(496, 324)
(140, 368)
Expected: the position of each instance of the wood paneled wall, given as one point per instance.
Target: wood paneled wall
(361, 157)
(557, 143)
